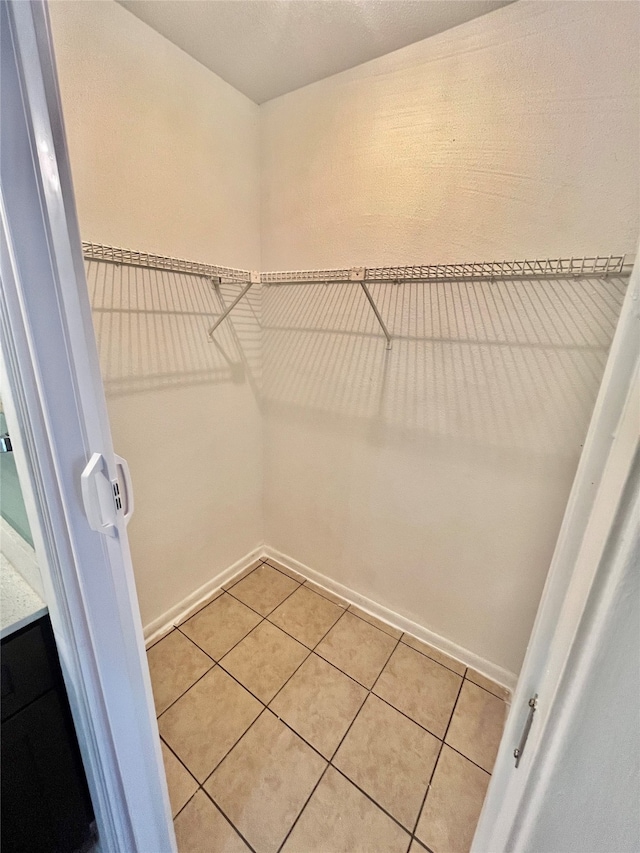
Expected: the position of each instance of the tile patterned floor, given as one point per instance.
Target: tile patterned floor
(294, 722)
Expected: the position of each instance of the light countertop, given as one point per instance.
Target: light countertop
(19, 604)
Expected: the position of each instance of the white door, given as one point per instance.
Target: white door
(60, 423)
(576, 588)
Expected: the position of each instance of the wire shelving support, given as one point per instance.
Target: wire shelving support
(597, 266)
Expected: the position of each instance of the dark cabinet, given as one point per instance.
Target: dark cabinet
(45, 801)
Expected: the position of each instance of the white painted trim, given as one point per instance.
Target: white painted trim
(395, 620)
(156, 629)
(59, 418)
(621, 562)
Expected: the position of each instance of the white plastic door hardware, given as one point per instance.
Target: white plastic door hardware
(126, 487)
(98, 496)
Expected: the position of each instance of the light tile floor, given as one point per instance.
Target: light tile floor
(292, 721)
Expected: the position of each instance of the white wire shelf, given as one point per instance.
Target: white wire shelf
(302, 276)
(598, 266)
(129, 257)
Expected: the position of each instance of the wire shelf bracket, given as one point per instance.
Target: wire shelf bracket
(358, 274)
(254, 279)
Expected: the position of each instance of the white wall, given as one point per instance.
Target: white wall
(165, 159)
(433, 478)
(514, 135)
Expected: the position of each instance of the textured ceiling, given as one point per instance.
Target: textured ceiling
(265, 48)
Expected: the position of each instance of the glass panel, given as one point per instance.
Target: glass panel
(11, 503)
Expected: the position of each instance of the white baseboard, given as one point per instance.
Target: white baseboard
(156, 629)
(496, 673)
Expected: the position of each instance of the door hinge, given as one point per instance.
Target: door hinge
(5, 443)
(517, 752)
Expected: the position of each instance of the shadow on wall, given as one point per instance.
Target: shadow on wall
(152, 330)
(505, 364)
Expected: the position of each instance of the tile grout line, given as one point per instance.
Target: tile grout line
(424, 798)
(384, 666)
(221, 590)
(433, 772)
(240, 577)
(177, 757)
(231, 824)
(311, 652)
(370, 798)
(264, 616)
(262, 619)
(491, 693)
(232, 747)
(470, 760)
(402, 635)
(199, 678)
(355, 680)
(333, 754)
(306, 803)
(373, 625)
(330, 763)
(257, 625)
(352, 677)
(345, 735)
(244, 687)
(426, 655)
(182, 808)
(219, 807)
(147, 649)
(218, 592)
(312, 648)
(266, 619)
(230, 649)
(320, 590)
(407, 717)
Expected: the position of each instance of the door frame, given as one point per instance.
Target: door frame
(57, 409)
(576, 599)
